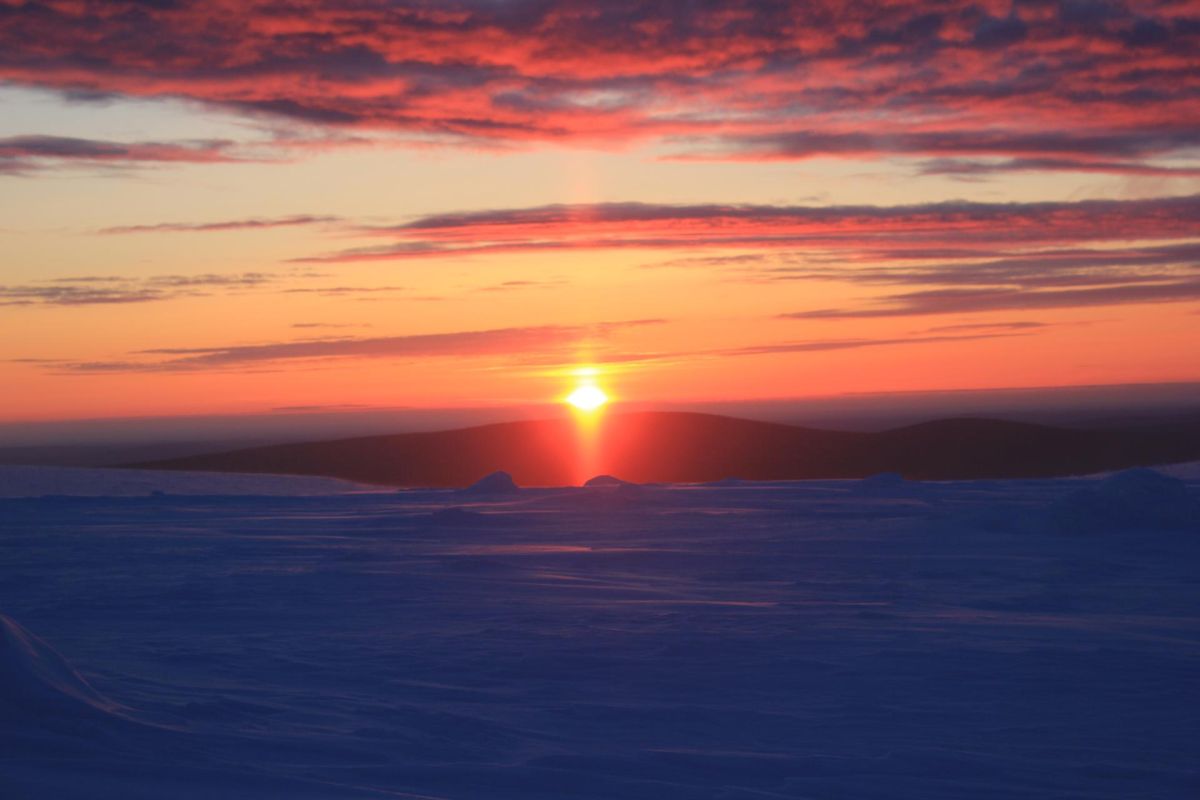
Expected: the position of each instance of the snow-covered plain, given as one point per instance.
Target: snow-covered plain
(22, 481)
(853, 639)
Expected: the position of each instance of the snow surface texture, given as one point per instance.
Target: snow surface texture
(36, 682)
(849, 640)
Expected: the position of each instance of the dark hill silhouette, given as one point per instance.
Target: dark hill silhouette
(686, 447)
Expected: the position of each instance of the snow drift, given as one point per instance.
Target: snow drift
(35, 681)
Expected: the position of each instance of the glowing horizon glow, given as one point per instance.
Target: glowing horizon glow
(587, 398)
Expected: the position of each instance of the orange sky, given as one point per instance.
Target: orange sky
(724, 231)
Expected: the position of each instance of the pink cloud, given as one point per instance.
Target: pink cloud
(1056, 85)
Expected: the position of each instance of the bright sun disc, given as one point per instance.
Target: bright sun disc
(587, 398)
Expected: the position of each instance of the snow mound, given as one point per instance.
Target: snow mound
(496, 483)
(36, 681)
(1136, 499)
(606, 482)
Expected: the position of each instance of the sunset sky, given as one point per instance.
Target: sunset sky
(230, 207)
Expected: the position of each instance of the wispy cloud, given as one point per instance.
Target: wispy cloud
(110, 290)
(299, 220)
(328, 325)
(823, 345)
(946, 281)
(1018, 325)
(358, 292)
(971, 169)
(975, 152)
(1028, 269)
(491, 343)
(962, 301)
(519, 285)
(788, 347)
(1037, 279)
(22, 155)
(959, 226)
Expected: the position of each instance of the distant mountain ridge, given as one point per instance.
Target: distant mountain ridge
(683, 447)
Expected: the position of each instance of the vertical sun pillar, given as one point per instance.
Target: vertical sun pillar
(587, 403)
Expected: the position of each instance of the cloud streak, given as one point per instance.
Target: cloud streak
(625, 358)
(962, 152)
(295, 221)
(964, 301)
(1057, 268)
(111, 290)
(23, 155)
(935, 227)
(826, 345)
(955, 257)
(490, 343)
(1025, 280)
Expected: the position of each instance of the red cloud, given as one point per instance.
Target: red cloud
(1055, 85)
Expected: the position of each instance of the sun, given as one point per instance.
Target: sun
(587, 398)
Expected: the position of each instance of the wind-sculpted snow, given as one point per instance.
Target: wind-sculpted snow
(35, 681)
(834, 639)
